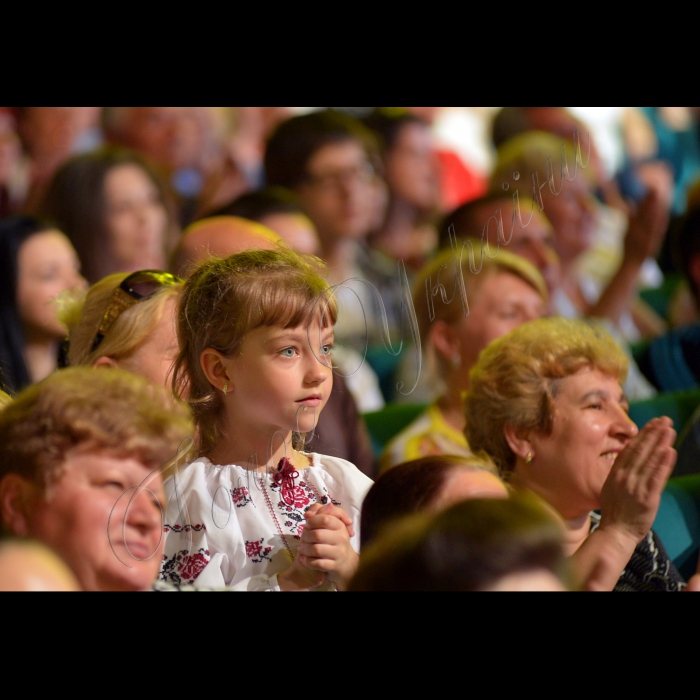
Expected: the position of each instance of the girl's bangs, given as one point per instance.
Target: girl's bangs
(288, 308)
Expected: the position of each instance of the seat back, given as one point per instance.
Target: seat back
(389, 421)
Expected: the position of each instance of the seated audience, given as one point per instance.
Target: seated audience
(545, 402)
(570, 207)
(427, 484)
(37, 265)
(218, 236)
(128, 321)
(81, 455)
(519, 228)
(462, 300)
(411, 171)
(49, 137)
(188, 146)
(116, 211)
(279, 210)
(510, 544)
(328, 159)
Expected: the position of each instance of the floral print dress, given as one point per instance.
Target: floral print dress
(229, 526)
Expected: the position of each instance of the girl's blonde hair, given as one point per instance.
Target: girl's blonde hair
(518, 377)
(223, 300)
(82, 316)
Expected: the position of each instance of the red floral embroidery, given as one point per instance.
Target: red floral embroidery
(183, 567)
(253, 548)
(192, 566)
(256, 552)
(298, 497)
(240, 496)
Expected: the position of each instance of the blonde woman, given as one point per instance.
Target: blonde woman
(462, 303)
(128, 321)
(545, 402)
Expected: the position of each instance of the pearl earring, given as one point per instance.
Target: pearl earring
(529, 457)
(225, 388)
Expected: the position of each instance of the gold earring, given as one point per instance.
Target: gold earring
(529, 457)
(225, 388)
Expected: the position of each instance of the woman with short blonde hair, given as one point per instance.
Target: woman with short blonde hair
(125, 320)
(463, 299)
(545, 402)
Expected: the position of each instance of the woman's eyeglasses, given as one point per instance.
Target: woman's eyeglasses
(137, 287)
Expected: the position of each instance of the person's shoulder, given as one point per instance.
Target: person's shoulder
(402, 444)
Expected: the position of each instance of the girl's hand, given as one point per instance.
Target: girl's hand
(325, 544)
(299, 577)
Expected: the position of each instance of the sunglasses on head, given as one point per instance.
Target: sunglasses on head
(137, 287)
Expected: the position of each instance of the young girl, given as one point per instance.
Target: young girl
(254, 511)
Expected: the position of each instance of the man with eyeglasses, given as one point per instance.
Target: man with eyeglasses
(330, 160)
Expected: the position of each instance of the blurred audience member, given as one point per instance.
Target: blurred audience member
(499, 221)
(328, 159)
(570, 207)
(279, 210)
(219, 236)
(128, 321)
(428, 484)
(253, 127)
(462, 302)
(14, 168)
(188, 145)
(411, 172)
(461, 179)
(513, 544)
(50, 136)
(37, 264)
(678, 138)
(116, 211)
(80, 471)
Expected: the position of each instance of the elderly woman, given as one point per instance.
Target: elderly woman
(545, 403)
(81, 455)
(462, 302)
(125, 320)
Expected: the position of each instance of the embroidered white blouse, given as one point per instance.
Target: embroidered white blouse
(229, 526)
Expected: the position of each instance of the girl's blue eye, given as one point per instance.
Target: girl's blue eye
(288, 352)
(326, 349)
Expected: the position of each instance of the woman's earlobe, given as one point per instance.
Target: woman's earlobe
(519, 442)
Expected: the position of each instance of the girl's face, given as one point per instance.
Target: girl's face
(47, 265)
(281, 379)
(136, 218)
